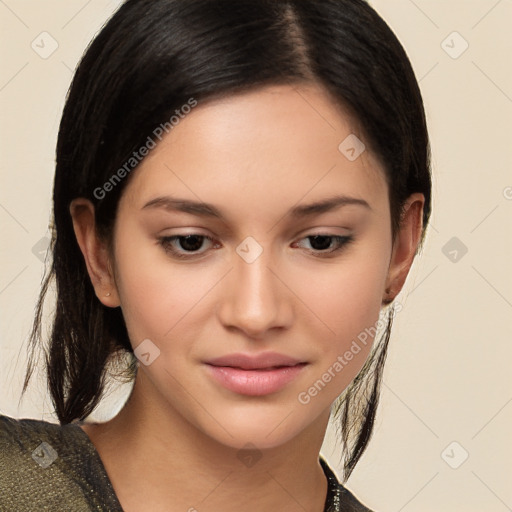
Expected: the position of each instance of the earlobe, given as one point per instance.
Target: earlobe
(94, 251)
(405, 246)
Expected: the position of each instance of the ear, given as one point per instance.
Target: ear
(405, 245)
(95, 252)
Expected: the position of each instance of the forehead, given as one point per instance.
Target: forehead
(263, 148)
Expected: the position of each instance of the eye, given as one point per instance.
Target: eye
(189, 243)
(322, 244)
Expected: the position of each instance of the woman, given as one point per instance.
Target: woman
(240, 191)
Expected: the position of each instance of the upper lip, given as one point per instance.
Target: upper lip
(254, 362)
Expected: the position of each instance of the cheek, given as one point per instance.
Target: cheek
(347, 297)
(155, 296)
(344, 304)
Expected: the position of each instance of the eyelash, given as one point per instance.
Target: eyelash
(342, 242)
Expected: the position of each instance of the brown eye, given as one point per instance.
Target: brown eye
(184, 246)
(321, 244)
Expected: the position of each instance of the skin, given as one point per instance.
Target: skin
(175, 443)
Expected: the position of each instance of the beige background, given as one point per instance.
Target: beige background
(448, 372)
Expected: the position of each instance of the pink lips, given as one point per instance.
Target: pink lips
(254, 375)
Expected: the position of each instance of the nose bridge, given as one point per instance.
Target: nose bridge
(255, 301)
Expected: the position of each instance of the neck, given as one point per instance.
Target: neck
(161, 461)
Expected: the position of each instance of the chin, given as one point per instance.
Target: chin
(261, 426)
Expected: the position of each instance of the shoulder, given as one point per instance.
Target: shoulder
(339, 498)
(27, 441)
(22, 429)
(43, 465)
(30, 443)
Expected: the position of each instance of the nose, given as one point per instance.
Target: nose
(254, 298)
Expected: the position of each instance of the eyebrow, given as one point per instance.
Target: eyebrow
(209, 210)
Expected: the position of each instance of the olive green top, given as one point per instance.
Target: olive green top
(49, 467)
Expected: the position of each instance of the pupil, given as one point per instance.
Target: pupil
(185, 242)
(194, 242)
(314, 239)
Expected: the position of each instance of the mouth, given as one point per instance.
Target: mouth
(254, 377)
(263, 361)
(265, 369)
(258, 369)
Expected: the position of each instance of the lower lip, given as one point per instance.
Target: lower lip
(254, 382)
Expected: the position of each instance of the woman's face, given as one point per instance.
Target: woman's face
(251, 280)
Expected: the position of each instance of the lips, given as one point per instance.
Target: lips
(267, 360)
(258, 375)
